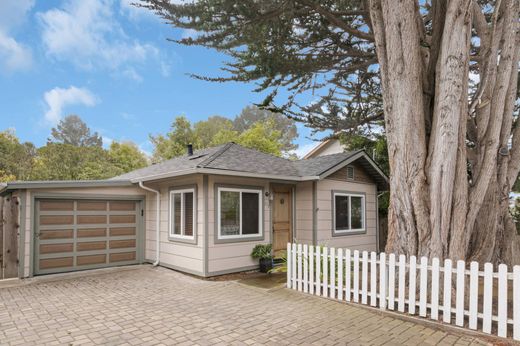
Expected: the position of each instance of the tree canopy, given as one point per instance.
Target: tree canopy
(84, 160)
(72, 130)
(255, 128)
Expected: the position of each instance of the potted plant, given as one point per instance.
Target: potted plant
(262, 252)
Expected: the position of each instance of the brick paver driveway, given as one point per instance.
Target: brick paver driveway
(149, 306)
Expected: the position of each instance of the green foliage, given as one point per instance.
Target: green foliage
(174, 142)
(252, 115)
(262, 251)
(15, 158)
(268, 135)
(72, 130)
(126, 156)
(58, 161)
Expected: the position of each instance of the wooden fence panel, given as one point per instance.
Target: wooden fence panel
(10, 233)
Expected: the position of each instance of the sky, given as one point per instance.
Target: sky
(110, 63)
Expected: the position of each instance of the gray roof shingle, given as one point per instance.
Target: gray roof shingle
(234, 157)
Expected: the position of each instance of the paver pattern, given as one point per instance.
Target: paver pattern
(157, 306)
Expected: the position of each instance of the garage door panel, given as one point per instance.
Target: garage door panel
(56, 248)
(57, 205)
(122, 257)
(91, 219)
(91, 232)
(121, 206)
(53, 263)
(57, 234)
(118, 244)
(91, 259)
(122, 219)
(120, 231)
(91, 245)
(84, 234)
(92, 206)
(56, 220)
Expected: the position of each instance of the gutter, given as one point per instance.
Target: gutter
(157, 221)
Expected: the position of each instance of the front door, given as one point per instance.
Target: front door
(282, 218)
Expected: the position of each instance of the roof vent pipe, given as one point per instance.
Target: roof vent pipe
(190, 149)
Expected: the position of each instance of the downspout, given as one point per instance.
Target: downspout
(157, 221)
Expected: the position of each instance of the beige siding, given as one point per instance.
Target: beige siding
(227, 257)
(365, 241)
(303, 207)
(179, 255)
(94, 191)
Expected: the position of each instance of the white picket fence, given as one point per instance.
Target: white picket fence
(388, 282)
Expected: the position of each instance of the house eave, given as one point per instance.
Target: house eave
(49, 184)
(224, 172)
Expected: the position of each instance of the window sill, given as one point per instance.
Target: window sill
(182, 239)
(238, 239)
(347, 233)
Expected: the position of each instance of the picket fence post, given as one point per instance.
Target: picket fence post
(423, 286)
(412, 285)
(473, 295)
(373, 278)
(401, 283)
(348, 270)
(293, 271)
(382, 281)
(318, 271)
(364, 278)
(312, 281)
(325, 273)
(435, 289)
(300, 267)
(289, 279)
(356, 276)
(340, 274)
(391, 281)
(305, 268)
(459, 295)
(332, 280)
(502, 300)
(516, 303)
(488, 298)
(446, 301)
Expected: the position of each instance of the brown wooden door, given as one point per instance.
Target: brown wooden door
(282, 219)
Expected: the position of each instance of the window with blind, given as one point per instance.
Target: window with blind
(239, 213)
(182, 213)
(348, 212)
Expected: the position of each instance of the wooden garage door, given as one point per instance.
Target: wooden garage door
(84, 234)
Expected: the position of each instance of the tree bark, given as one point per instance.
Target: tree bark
(449, 183)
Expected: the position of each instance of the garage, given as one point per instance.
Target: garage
(78, 234)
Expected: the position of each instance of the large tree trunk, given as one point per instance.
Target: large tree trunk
(449, 184)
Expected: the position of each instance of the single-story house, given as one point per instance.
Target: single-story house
(201, 213)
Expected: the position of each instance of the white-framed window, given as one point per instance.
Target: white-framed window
(348, 212)
(182, 214)
(239, 213)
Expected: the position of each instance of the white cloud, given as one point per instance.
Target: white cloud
(58, 98)
(190, 33)
(131, 73)
(14, 55)
(87, 34)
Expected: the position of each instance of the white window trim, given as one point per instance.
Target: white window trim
(260, 213)
(363, 214)
(171, 208)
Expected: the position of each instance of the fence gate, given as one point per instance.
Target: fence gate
(9, 237)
